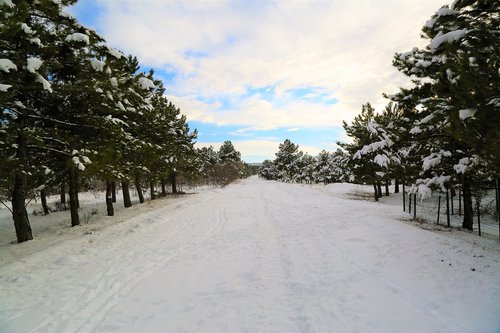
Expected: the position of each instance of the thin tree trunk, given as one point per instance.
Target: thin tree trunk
(109, 198)
(379, 190)
(77, 189)
(43, 197)
(163, 187)
(63, 192)
(478, 217)
(152, 190)
(468, 214)
(375, 193)
(396, 186)
(439, 209)
(138, 187)
(126, 194)
(404, 198)
(73, 197)
(113, 191)
(447, 208)
(19, 213)
(387, 189)
(173, 179)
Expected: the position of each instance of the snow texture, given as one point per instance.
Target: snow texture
(33, 64)
(448, 37)
(26, 28)
(97, 65)
(466, 113)
(115, 53)
(45, 83)
(445, 11)
(7, 3)
(5, 87)
(146, 83)
(252, 257)
(78, 37)
(7, 65)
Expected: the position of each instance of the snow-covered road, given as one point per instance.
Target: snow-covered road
(258, 256)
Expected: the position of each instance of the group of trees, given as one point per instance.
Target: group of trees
(292, 165)
(222, 167)
(72, 108)
(442, 133)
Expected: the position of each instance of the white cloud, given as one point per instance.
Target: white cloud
(219, 49)
(345, 47)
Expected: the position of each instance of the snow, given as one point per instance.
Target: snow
(253, 257)
(146, 83)
(46, 84)
(33, 64)
(36, 41)
(113, 81)
(448, 37)
(115, 53)
(446, 12)
(5, 87)
(78, 37)
(7, 3)
(6, 65)
(26, 29)
(97, 65)
(466, 113)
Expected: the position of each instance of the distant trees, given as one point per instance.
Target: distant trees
(222, 167)
(292, 165)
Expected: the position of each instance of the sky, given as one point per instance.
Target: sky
(258, 72)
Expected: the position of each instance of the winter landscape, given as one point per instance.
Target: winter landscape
(249, 166)
(256, 256)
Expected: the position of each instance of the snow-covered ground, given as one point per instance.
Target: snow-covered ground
(256, 256)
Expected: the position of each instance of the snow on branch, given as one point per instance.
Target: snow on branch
(448, 37)
(6, 65)
(78, 37)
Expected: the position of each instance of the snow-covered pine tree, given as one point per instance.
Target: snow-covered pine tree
(456, 95)
(286, 161)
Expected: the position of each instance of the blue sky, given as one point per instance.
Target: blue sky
(259, 72)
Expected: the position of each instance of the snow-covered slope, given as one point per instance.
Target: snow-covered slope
(258, 256)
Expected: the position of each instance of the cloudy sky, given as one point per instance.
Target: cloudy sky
(259, 72)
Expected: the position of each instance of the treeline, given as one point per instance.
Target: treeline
(293, 165)
(442, 134)
(74, 109)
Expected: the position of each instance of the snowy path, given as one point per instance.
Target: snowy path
(257, 257)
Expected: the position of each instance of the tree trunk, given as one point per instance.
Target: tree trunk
(138, 187)
(387, 189)
(163, 187)
(63, 192)
(43, 197)
(379, 190)
(19, 213)
(396, 186)
(152, 190)
(468, 214)
(73, 197)
(126, 194)
(375, 192)
(109, 198)
(77, 189)
(113, 191)
(173, 179)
